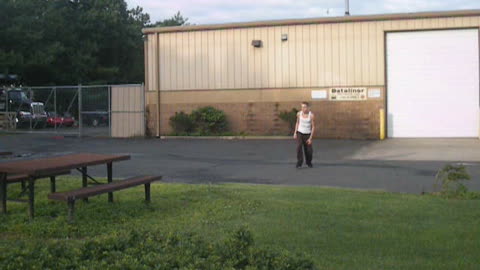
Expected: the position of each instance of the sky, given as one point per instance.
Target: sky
(224, 11)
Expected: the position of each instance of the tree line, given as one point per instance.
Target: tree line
(63, 42)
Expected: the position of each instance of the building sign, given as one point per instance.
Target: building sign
(374, 93)
(319, 94)
(352, 93)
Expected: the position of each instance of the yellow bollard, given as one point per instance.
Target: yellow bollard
(382, 124)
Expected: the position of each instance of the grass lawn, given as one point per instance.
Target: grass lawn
(336, 228)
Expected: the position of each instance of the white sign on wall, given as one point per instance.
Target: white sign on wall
(350, 93)
(374, 93)
(319, 94)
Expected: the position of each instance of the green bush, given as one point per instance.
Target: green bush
(209, 121)
(449, 181)
(201, 122)
(290, 117)
(149, 250)
(182, 123)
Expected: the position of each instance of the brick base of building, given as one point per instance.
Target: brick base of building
(334, 119)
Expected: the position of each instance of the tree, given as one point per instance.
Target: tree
(175, 20)
(74, 41)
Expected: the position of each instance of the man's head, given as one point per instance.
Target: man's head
(305, 107)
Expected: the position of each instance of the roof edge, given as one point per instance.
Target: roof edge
(359, 18)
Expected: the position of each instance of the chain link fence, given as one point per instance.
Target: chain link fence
(66, 110)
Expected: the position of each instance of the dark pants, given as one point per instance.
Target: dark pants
(303, 146)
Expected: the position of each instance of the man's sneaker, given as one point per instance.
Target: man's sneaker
(298, 166)
(310, 165)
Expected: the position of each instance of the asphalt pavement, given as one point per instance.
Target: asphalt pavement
(407, 166)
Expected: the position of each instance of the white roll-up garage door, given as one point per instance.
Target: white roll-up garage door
(433, 83)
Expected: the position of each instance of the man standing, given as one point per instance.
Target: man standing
(304, 129)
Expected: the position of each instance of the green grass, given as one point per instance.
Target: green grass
(337, 229)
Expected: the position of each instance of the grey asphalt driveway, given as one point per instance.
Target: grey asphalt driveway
(391, 165)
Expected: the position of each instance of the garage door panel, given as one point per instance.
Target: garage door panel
(433, 83)
(413, 127)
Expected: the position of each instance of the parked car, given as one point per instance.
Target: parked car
(95, 119)
(64, 120)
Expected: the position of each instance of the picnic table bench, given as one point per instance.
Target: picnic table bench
(71, 196)
(50, 166)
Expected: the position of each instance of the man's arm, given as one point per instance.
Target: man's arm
(296, 126)
(313, 128)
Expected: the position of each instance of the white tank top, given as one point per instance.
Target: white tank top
(305, 124)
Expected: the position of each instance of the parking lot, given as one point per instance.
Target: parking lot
(392, 165)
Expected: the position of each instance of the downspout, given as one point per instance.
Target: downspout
(157, 75)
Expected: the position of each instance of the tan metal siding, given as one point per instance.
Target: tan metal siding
(166, 81)
(184, 62)
(162, 59)
(328, 55)
(313, 68)
(380, 54)
(315, 55)
(303, 61)
(250, 59)
(127, 116)
(204, 68)
(231, 59)
(173, 61)
(321, 58)
(285, 63)
(357, 55)
(197, 68)
(349, 44)
(151, 63)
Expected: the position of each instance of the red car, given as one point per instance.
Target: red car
(59, 121)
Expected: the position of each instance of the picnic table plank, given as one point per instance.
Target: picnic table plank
(58, 163)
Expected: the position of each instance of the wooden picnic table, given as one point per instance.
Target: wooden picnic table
(43, 167)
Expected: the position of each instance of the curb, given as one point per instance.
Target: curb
(225, 137)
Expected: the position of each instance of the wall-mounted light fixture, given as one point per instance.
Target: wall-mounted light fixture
(284, 37)
(257, 43)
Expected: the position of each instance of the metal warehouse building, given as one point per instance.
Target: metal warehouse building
(403, 75)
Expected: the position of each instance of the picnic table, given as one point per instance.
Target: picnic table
(50, 166)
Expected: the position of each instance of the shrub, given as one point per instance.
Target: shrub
(203, 121)
(209, 121)
(290, 117)
(449, 181)
(149, 250)
(182, 123)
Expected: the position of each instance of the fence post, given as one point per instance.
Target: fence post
(144, 111)
(8, 118)
(55, 106)
(80, 110)
(30, 106)
(109, 89)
